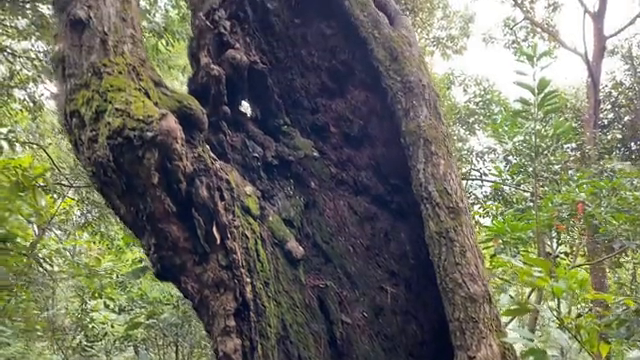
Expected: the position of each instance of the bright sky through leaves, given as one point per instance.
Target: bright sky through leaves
(497, 64)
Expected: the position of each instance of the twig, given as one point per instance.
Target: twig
(496, 182)
(46, 152)
(575, 336)
(549, 32)
(73, 186)
(587, 61)
(624, 27)
(506, 325)
(577, 252)
(586, 8)
(604, 258)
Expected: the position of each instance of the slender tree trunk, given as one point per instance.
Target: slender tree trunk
(595, 249)
(328, 222)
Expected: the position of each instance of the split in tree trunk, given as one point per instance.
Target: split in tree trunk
(302, 227)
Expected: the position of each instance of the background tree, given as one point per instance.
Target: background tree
(538, 18)
(75, 283)
(531, 142)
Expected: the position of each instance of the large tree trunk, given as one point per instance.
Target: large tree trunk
(301, 230)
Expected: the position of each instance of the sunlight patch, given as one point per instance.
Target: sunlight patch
(245, 107)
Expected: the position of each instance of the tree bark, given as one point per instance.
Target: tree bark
(329, 222)
(595, 247)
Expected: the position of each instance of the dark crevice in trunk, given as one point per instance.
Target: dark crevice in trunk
(332, 339)
(323, 152)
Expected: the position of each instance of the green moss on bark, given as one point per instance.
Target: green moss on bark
(252, 205)
(280, 292)
(122, 93)
(279, 230)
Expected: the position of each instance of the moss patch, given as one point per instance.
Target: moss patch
(301, 145)
(252, 205)
(279, 230)
(122, 93)
(280, 292)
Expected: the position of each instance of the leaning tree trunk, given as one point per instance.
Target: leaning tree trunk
(301, 228)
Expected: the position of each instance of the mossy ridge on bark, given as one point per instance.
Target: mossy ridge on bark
(142, 144)
(435, 180)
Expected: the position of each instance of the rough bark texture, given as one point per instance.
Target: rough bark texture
(298, 230)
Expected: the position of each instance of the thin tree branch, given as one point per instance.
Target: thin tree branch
(602, 259)
(576, 253)
(602, 7)
(575, 336)
(549, 32)
(624, 27)
(506, 325)
(496, 182)
(42, 230)
(46, 153)
(73, 186)
(592, 77)
(586, 8)
(69, 183)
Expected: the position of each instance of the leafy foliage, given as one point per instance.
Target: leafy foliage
(621, 120)
(74, 283)
(530, 205)
(441, 28)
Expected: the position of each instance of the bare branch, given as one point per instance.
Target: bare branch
(553, 34)
(624, 27)
(72, 186)
(496, 182)
(506, 325)
(48, 155)
(586, 8)
(569, 330)
(602, 259)
(576, 253)
(602, 9)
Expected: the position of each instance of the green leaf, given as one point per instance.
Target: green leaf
(518, 310)
(526, 103)
(535, 353)
(133, 325)
(604, 348)
(546, 54)
(600, 296)
(548, 98)
(543, 85)
(529, 56)
(541, 263)
(138, 272)
(526, 86)
(559, 288)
